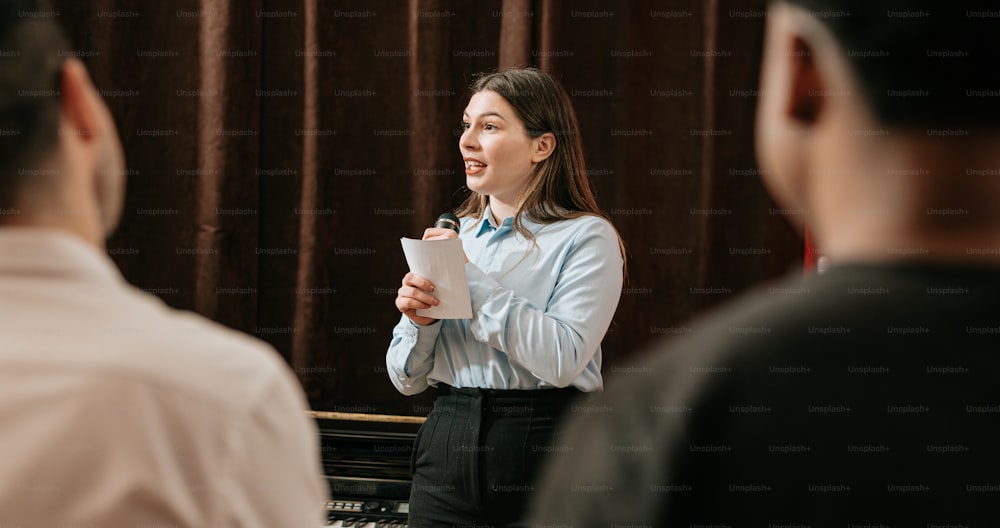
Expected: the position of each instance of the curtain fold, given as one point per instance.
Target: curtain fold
(516, 35)
(304, 317)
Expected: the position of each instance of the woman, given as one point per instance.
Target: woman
(545, 271)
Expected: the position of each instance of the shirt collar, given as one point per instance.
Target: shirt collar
(46, 252)
(487, 225)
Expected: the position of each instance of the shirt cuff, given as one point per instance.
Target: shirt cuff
(424, 335)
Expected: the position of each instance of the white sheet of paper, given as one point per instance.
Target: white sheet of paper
(442, 262)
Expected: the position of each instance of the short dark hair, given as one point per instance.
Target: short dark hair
(32, 47)
(920, 62)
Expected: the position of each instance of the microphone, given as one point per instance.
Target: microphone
(447, 221)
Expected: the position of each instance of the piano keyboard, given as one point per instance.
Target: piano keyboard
(365, 523)
(367, 513)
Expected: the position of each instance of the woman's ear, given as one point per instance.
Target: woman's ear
(542, 147)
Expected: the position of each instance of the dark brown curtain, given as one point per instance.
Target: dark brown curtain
(280, 148)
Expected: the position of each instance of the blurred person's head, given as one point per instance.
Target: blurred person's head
(883, 112)
(61, 162)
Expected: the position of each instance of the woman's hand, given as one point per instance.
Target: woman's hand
(415, 295)
(436, 233)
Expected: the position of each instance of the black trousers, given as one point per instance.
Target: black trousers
(476, 457)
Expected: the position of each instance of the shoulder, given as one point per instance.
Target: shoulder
(183, 353)
(651, 415)
(583, 229)
(588, 222)
(737, 340)
(777, 345)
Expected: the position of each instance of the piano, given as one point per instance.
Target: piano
(366, 460)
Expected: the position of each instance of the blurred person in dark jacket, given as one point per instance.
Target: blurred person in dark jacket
(865, 396)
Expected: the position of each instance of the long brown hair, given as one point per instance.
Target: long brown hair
(558, 188)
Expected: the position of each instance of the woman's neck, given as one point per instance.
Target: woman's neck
(501, 210)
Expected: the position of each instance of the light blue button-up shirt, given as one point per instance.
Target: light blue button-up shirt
(539, 312)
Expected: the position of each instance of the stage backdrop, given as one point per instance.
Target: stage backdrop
(278, 150)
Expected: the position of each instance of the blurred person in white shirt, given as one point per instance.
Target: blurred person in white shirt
(117, 410)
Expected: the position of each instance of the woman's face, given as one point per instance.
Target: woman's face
(496, 147)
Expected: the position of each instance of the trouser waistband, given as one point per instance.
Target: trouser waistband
(512, 399)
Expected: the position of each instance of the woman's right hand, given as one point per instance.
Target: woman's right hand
(415, 295)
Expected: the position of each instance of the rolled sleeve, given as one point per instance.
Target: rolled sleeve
(411, 355)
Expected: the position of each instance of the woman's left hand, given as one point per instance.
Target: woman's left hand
(438, 233)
